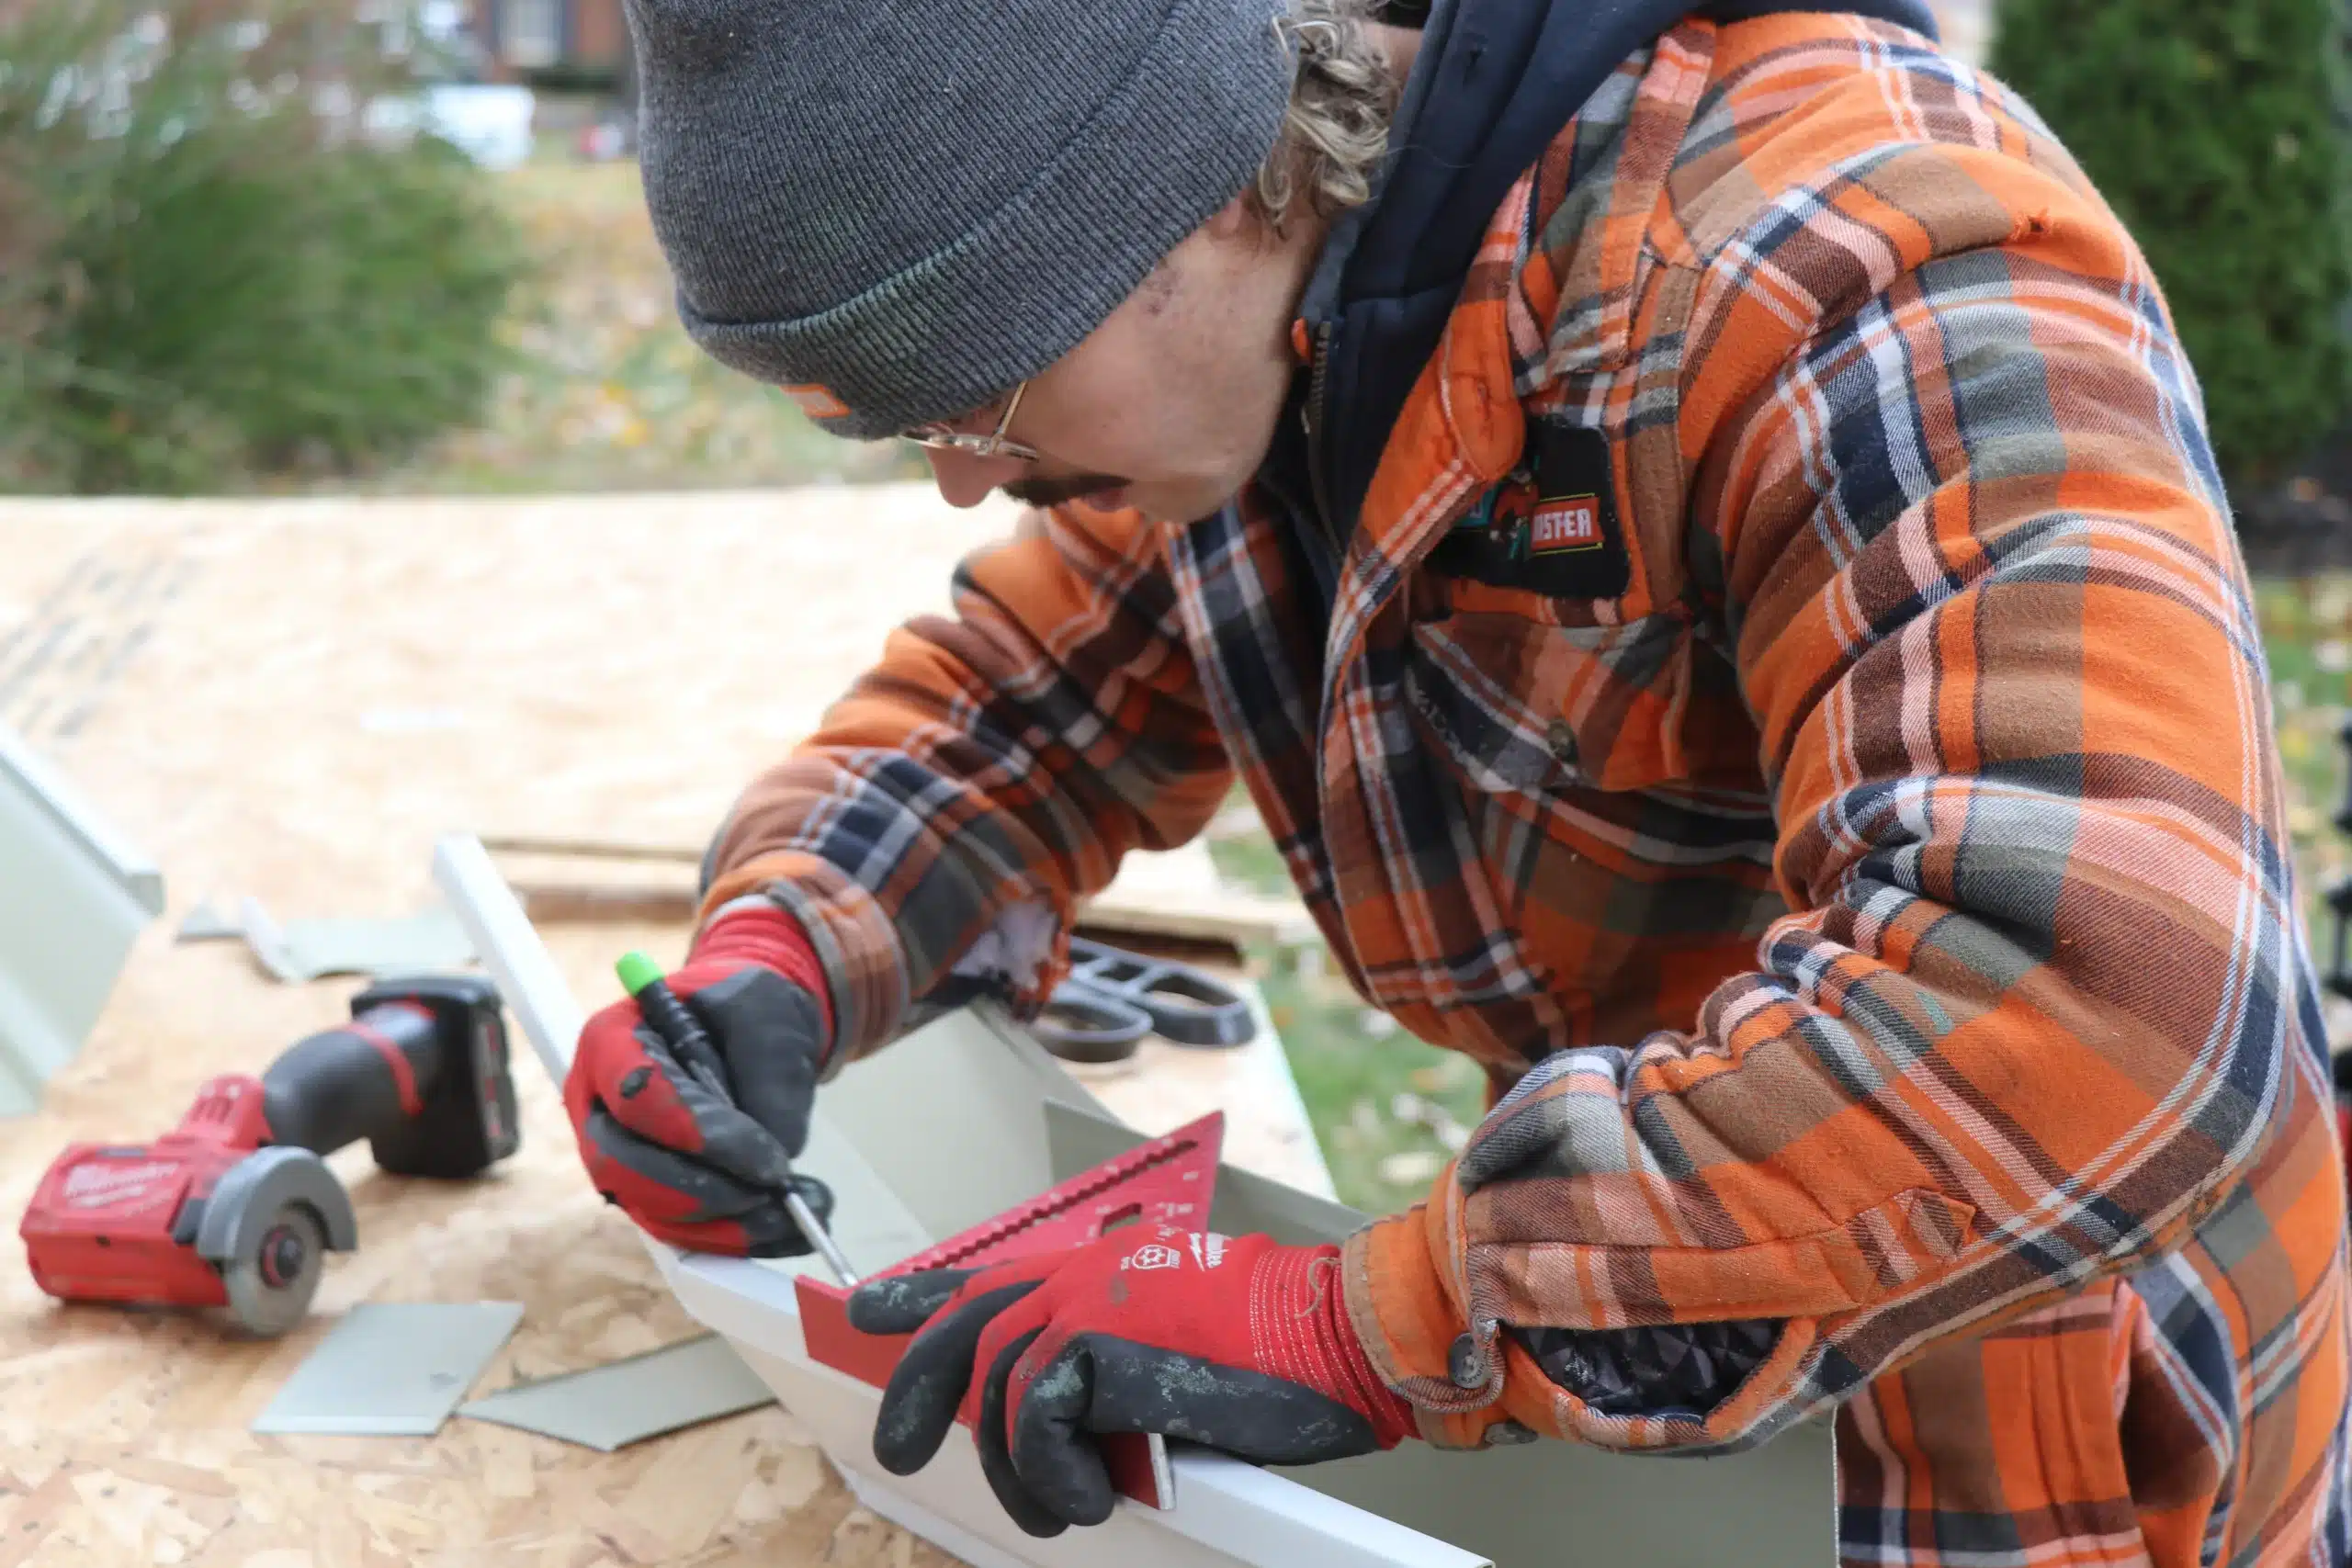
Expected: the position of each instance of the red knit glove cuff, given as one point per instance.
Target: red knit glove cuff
(1333, 1346)
(765, 935)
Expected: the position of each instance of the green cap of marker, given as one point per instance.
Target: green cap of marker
(636, 971)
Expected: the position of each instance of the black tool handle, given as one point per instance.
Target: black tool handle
(362, 1080)
(683, 1033)
(679, 1028)
(2344, 812)
(1188, 1006)
(2339, 909)
(1081, 1024)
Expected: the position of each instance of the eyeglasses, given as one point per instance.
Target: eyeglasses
(939, 437)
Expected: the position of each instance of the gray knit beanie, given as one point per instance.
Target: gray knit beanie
(896, 209)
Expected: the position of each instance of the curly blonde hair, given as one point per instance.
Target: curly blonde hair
(1342, 98)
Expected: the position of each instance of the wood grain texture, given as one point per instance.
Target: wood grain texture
(324, 688)
(330, 687)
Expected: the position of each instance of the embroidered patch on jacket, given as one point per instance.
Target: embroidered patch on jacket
(1565, 523)
(1552, 528)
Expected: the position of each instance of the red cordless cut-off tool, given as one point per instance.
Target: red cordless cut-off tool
(235, 1207)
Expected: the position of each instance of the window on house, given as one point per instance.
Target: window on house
(532, 35)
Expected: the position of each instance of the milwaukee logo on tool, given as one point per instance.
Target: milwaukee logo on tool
(1566, 523)
(97, 1185)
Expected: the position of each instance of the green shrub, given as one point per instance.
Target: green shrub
(2214, 127)
(206, 273)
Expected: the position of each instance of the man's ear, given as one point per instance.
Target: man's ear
(1244, 220)
(1238, 219)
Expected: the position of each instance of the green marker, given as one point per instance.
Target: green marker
(641, 978)
(638, 971)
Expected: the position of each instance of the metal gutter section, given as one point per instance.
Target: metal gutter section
(74, 894)
(969, 1115)
(534, 989)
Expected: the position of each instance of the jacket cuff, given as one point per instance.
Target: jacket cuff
(1408, 1313)
(1432, 1321)
(856, 946)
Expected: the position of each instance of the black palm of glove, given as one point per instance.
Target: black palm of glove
(700, 1169)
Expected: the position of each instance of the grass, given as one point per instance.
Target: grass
(2307, 626)
(616, 397)
(1387, 1108)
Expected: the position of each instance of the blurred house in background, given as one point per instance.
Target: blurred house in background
(1966, 26)
(574, 59)
(554, 45)
(582, 47)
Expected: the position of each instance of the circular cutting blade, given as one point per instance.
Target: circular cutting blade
(276, 1271)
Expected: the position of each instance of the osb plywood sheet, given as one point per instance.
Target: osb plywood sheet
(292, 701)
(565, 666)
(96, 603)
(122, 1434)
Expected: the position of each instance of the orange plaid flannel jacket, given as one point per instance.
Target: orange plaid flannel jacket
(1877, 921)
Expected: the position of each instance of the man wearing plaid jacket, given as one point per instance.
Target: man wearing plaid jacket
(1693, 527)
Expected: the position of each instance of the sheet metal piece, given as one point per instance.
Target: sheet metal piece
(75, 895)
(301, 951)
(392, 1368)
(207, 923)
(611, 1406)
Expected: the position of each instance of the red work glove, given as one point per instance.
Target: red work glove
(695, 1168)
(1238, 1345)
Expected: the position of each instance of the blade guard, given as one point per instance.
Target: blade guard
(1170, 1181)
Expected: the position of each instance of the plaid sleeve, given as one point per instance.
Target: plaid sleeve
(2036, 993)
(936, 833)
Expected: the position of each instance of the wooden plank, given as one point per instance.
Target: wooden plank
(558, 903)
(318, 691)
(589, 848)
(1178, 892)
(1170, 893)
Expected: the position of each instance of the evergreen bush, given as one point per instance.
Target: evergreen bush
(216, 263)
(2215, 129)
